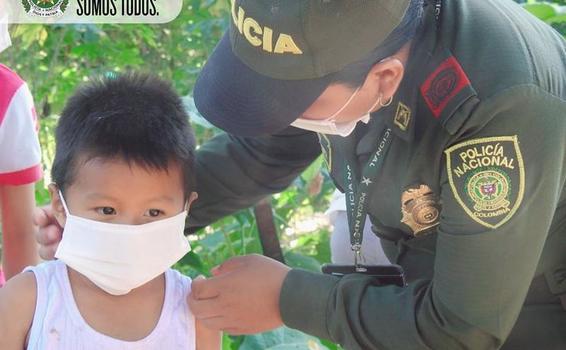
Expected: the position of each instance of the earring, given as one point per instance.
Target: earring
(386, 103)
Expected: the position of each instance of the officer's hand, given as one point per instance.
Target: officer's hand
(242, 297)
(49, 234)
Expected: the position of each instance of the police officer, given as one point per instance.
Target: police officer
(444, 121)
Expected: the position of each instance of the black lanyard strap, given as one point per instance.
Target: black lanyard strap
(358, 192)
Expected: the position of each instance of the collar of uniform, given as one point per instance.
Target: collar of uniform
(400, 115)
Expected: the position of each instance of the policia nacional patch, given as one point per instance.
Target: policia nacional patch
(487, 177)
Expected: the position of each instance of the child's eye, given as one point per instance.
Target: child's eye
(106, 211)
(154, 212)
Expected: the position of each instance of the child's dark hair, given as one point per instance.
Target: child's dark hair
(136, 117)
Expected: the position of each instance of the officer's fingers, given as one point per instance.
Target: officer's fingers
(215, 323)
(205, 309)
(229, 265)
(202, 288)
(215, 271)
(234, 330)
(48, 235)
(43, 216)
(47, 252)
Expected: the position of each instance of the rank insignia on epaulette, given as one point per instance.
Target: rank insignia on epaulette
(420, 209)
(487, 177)
(403, 116)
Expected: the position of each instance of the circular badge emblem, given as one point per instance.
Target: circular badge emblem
(45, 8)
(426, 213)
(489, 190)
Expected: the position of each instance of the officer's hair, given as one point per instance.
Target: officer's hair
(134, 117)
(354, 74)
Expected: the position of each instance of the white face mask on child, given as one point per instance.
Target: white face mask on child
(118, 258)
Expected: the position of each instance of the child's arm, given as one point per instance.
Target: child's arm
(18, 230)
(206, 339)
(17, 306)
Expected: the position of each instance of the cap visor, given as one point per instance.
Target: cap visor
(243, 102)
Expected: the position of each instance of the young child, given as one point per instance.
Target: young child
(20, 167)
(123, 173)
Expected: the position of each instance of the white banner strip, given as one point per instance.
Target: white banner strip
(90, 11)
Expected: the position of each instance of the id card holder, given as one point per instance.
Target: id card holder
(383, 274)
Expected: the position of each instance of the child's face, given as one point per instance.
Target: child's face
(114, 191)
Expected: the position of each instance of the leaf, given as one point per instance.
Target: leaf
(558, 23)
(214, 241)
(282, 339)
(88, 50)
(330, 345)
(192, 260)
(42, 196)
(28, 34)
(42, 36)
(542, 11)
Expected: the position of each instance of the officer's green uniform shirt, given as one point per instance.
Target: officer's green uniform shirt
(477, 166)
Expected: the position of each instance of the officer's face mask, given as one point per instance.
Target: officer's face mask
(5, 41)
(118, 258)
(329, 126)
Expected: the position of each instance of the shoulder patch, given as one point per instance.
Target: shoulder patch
(487, 177)
(443, 84)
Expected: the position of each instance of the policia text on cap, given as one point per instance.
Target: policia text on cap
(460, 105)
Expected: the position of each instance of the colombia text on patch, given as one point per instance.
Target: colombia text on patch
(487, 177)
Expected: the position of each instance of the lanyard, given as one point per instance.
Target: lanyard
(358, 193)
(438, 12)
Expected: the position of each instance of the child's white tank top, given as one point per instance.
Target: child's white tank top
(58, 324)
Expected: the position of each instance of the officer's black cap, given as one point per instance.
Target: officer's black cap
(279, 56)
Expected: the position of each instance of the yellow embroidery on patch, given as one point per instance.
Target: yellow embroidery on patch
(487, 177)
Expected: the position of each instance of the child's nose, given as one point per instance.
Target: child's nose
(130, 220)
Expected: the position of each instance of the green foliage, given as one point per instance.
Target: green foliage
(282, 339)
(63, 56)
(542, 11)
(552, 12)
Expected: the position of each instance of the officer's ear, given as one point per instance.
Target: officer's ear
(385, 77)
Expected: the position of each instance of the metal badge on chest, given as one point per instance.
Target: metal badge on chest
(420, 209)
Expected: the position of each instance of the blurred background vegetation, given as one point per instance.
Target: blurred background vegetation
(54, 59)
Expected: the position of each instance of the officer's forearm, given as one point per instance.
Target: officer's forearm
(357, 315)
(234, 173)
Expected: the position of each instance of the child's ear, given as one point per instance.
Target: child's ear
(192, 197)
(57, 205)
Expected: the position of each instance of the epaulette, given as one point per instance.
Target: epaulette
(446, 89)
